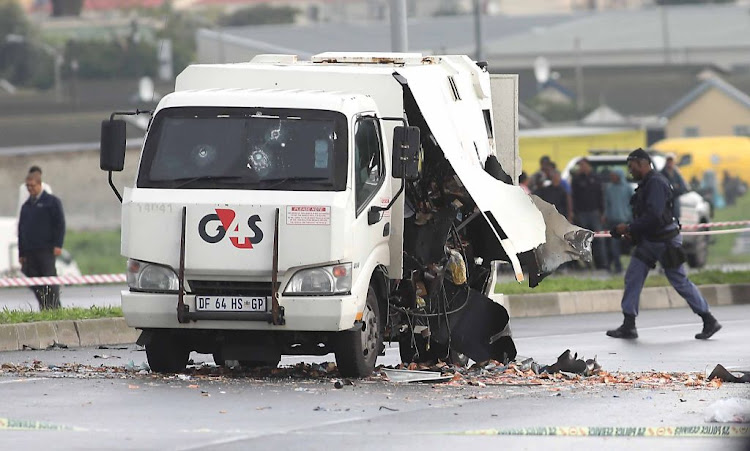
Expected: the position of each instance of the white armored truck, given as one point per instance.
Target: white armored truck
(332, 205)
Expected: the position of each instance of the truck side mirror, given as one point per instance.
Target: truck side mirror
(407, 155)
(112, 152)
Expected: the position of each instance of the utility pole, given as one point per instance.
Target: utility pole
(665, 35)
(399, 40)
(479, 52)
(579, 75)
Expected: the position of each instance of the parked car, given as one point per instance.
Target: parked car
(9, 266)
(694, 209)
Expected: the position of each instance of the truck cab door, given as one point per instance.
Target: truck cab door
(372, 187)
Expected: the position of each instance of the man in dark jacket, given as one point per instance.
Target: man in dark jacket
(657, 237)
(588, 206)
(553, 192)
(41, 230)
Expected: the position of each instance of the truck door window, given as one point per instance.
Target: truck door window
(368, 160)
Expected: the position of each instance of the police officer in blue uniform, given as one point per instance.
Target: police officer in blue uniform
(656, 235)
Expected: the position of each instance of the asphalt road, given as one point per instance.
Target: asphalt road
(117, 409)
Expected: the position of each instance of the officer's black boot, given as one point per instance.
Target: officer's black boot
(627, 330)
(710, 326)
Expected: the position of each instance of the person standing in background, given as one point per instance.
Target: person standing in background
(23, 192)
(588, 206)
(539, 177)
(617, 194)
(679, 187)
(554, 193)
(523, 182)
(41, 232)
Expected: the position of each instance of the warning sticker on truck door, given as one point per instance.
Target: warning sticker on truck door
(308, 215)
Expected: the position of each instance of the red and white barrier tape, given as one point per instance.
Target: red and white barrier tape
(63, 280)
(709, 225)
(705, 232)
(98, 279)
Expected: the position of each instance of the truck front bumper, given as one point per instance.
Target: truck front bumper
(304, 313)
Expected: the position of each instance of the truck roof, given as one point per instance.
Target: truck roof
(277, 98)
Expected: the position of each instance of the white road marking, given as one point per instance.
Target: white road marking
(23, 380)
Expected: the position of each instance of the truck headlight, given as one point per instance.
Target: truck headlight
(151, 277)
(333, 279)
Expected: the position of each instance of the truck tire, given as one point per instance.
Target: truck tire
(166, 354)
(699, 256)
(357, 350)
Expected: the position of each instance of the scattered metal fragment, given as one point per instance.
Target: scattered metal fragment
(387, 408)
(725, 375)
(407, 376)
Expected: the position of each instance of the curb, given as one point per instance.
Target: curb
(603, 301)
(72, 334)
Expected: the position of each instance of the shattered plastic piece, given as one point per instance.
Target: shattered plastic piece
(729, 410)
(407, 376)
(725, 375)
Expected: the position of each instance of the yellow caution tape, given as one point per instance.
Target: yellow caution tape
(742, 430)
(26, 425)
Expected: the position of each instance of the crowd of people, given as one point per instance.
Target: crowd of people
(587, 201)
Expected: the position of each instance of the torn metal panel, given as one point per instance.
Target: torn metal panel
(564, 241)
(515, 216)
(407, 376)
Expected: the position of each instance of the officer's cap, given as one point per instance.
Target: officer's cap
(639, 154)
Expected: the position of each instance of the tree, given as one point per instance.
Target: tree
(66, 8)
(12, 19)
(21, 61)
(259, 15)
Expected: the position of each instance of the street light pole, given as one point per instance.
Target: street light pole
(478, 30)
(399, 42)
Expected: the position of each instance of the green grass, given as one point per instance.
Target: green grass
(73, 313)
(720, 251)
(96, 252)
(571, 283)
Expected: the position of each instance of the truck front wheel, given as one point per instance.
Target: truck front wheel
(166, 353)
(357, 350)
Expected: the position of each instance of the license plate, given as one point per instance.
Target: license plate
(230, 303)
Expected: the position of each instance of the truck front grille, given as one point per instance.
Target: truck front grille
(229, 288)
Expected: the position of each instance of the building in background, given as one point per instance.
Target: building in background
(713, 108)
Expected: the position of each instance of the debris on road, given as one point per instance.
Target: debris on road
(730, 410)
(524, 373)
(725, 375)
(407, 376)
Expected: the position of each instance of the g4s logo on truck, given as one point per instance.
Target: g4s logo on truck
(230, 225)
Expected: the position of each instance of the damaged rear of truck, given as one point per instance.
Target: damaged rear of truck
(332, 205)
